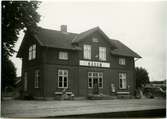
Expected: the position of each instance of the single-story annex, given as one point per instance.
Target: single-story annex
(56, 60)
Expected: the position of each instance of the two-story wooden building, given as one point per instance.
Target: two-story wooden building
(53, 60)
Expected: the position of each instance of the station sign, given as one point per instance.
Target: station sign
(94, 64)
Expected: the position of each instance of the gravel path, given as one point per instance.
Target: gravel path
(20, 108)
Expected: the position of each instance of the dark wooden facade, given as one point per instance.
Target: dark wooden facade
(48, 63)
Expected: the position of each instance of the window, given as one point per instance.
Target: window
(122, 81)
(95, 77)
(87, 52)
(62, 78)
(36, 80)
(32, 52)
(95, 40)
(122, 61)
(100, 80)
(90, 84)
(25, 81)
(63, 55)
(102, 53)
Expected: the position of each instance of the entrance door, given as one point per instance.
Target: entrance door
(95, 82)
(95, 86)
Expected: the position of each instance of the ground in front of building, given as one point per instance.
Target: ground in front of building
(20, 108)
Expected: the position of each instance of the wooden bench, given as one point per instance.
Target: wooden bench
(60, 94)
(123, 93)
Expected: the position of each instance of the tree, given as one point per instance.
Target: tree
(16, 16)
(142, 77)
(9, 74)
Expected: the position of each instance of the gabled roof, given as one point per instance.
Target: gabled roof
(55, 39)
(66, 40)
(123, 50)
(83, 35)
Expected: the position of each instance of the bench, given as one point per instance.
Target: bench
(61, 95)
(123, 93)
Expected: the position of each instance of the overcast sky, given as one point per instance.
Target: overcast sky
(139, 25)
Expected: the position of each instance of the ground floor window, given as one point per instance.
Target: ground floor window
(122, 81)
(25, 81)
(95, 78)
(62, 78)
(36, 79)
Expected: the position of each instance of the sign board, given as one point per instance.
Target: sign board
(94, 64)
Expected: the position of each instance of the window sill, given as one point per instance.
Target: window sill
(63, 59)
(63, 87)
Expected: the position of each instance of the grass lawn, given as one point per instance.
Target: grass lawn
(20, 108)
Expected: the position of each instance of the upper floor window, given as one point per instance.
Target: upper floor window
(122, 61)
(87, 51)
(63, 55)
(32, 52)
(62, 78)
(102, 53)
(122, 81)
(36, 80)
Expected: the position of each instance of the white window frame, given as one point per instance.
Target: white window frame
(95, 40)
(32, 52)
(102, 53)
(25, 81)
(63, 75)
(99, 75)
(87, 51)
(36, 79)
(123, 77)
(122, 61)
(63, 55)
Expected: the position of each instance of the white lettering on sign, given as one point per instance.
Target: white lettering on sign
(94, 64)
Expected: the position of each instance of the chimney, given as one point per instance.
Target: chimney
(63, 28)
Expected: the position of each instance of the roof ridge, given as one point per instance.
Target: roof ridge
(54, 30)
(89, 31)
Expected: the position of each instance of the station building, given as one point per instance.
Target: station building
(56, 60)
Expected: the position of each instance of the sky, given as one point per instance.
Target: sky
(141, 26)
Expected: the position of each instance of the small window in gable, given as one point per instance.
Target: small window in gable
(122, 61)
(63, 55)
(95, 40)
(32, 52)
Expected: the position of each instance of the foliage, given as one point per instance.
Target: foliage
(9, 74)
(142, 77)
(16, 16)
(158, 82)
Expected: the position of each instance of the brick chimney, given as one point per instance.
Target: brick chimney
(63, 28)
